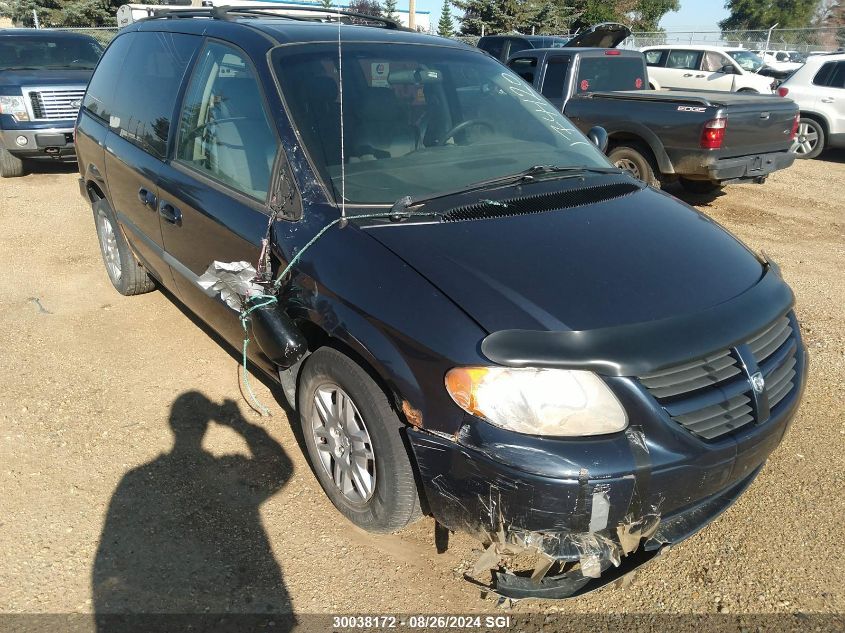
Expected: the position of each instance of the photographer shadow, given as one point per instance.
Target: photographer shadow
(183, 533)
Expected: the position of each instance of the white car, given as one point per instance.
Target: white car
(706, 68)
(783, 61)
(818, 88)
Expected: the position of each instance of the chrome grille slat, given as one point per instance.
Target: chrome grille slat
(54, 104)
(712, 396)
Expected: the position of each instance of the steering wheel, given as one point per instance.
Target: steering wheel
(460, 127)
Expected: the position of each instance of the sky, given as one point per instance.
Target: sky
(702, 15)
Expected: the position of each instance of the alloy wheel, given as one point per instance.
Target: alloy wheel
(629, 166)
(343, 443)
(108, 244)
(806, 139)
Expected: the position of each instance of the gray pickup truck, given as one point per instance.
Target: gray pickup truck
(703, 139)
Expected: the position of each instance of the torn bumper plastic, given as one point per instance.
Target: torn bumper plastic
(588, 510)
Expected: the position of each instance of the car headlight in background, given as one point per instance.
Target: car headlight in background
(555, 402)
(15, 106)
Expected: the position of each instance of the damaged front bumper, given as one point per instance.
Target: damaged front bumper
(585, 511)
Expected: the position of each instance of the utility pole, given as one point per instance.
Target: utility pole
(412, 14)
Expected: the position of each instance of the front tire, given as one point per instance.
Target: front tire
(634, 160)
(810, 139)
(10, 165)
(355, 445)
(125, 273)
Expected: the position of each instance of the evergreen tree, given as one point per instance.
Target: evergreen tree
(390, 10)
(763, 14)
(445, 27)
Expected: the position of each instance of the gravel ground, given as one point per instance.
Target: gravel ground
(93, 386)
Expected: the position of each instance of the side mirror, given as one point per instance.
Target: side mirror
(728, 69)
(598, 135)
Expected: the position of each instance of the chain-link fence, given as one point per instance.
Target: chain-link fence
(802, 40)
(103, 34)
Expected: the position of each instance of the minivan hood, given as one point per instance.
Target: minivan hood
(638, 258)
(32, 78)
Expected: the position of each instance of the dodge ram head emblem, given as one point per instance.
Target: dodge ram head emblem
(758, 383)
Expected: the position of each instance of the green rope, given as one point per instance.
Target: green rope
(267, 300)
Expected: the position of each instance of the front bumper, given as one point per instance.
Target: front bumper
(749, 168)
(610, 503)
(46, 143)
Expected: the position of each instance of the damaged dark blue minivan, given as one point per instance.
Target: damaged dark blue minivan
(475, 316)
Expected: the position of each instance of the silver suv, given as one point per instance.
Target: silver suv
(818, 88)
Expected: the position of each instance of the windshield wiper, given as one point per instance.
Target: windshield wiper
(400, 208)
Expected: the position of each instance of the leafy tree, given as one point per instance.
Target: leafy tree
(390, 10)
(367, 7)
(446, 27)
(763, 14)
(327, 4)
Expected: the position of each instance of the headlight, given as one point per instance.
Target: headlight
(14, 106)
(555, 402)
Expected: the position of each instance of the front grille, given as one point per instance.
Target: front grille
(56, 104)
(713, 396)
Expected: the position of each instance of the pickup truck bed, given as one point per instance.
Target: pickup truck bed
(756, 141)
(703, 138)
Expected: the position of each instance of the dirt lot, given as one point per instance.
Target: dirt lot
(91, 384)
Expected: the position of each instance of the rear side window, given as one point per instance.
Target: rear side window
(655, 58)
(136, 86)
(224, 132)
(686, 60)
(612, 72)
(98, 97)
(525, 67)
(555, 78)
(831, 74)
(493, 46)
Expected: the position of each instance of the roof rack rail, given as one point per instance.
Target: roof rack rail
(228, 12)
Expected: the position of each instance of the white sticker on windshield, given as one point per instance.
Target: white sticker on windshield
(379, 72)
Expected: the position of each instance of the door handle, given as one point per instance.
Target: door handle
(687, 74)
(170, 213)
(828, 100)
(147, 198)
(700, 76)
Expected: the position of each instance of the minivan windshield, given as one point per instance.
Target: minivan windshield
(22, 52)
(748, 60)
(420, 120)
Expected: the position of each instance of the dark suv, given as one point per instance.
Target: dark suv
(474, 314)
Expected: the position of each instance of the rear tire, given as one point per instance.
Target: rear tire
(10, 165)
(365, 452)
(635, 160)
(700, 187)
(748, 91)
(125, 273)
(810, 139)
